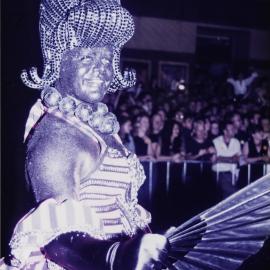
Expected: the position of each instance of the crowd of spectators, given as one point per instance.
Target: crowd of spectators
(219, 123)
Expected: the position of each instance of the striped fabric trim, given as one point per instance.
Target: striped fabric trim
(112, 221)
(111, 176)
(105, 183)
(103, 196)
(114, 168)
(36, 112)
(49, 220)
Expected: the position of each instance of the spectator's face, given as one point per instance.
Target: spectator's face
(123, 107)
(157, 122)
(175, 130)
(188, 123)
(237, 121)
(144, 123)
(147, 99)
(207, 125)
(256, 119)
(147, 103)
(229, 131)
(213, 118)
(257, 137)
(245, 123)
(136, 111)
(126, 127)
(214, 129)
(266, 125)
(179, 117)
(162, 115)
(200, 131)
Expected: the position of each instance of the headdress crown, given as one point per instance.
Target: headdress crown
(66, 24)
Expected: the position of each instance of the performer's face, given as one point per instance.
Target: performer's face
(86, 73)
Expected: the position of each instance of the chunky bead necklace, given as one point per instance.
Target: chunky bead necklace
(96, 116)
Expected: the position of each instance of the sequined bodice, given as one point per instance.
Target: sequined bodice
(112, 191)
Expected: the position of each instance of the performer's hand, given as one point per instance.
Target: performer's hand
(169, 231)
(152, 246)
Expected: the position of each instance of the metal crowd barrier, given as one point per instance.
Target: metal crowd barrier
(189, 169)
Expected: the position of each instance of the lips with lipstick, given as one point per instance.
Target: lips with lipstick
(94, 84)
(93, 81)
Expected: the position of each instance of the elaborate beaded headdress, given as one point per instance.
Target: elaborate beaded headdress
(66, 24)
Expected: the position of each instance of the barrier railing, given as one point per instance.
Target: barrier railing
(162, 172)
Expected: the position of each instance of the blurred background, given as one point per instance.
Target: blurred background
(203, 71)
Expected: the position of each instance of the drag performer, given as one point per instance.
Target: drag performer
(84, 180)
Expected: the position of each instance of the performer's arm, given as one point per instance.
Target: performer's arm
(251, 78)
(78, 251)
(231, 81)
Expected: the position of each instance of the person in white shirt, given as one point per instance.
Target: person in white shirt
(241, 84)
(228, 151)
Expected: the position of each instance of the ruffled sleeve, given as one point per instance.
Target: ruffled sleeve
(49, 220)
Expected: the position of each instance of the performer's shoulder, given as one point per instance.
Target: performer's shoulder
(53, 135)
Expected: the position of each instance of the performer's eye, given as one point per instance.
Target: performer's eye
(105, 61)
(86, 58)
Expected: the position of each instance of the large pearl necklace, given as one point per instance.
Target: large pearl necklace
(95, 115)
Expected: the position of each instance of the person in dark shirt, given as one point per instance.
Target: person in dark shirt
(143, 144)
(171, 144)
(214, 130)
(241, 135)
(265, 123)
(125, 133)
(157, 124)
(187, 126)
(256, 149)
(198, 146)
(179, 117)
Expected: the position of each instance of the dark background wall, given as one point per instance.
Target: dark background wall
(242, 13)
